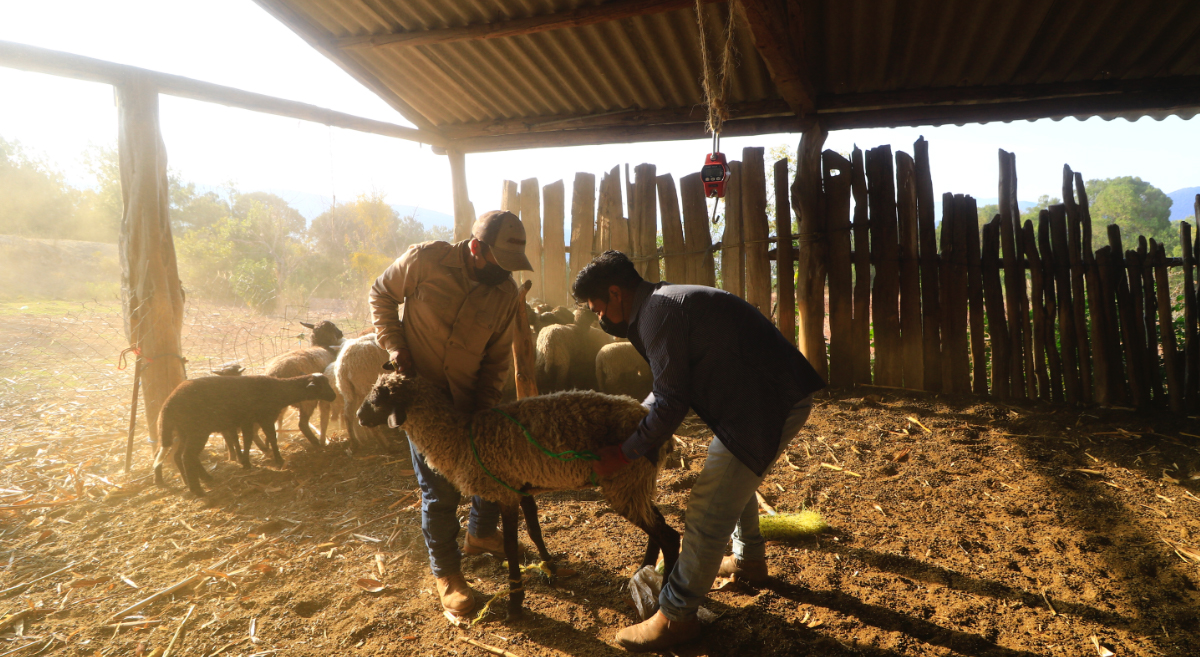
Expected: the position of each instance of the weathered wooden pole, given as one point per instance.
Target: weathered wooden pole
(531, 217)
(756, 229)
(554, 265)
(1191, 342)
(785, 254)
(1048, 269)
(885, 255)
(809, 198)
(643, 216)
(702, 269)
(464, 212)
(150, 289)
(837, 218)
(860, 340)
(674, 260)
(732, 252)
(583, 223)
(1167, 328)
(931, 314)
(911, 337)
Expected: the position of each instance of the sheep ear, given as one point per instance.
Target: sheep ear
(396, 419)
(306, 325)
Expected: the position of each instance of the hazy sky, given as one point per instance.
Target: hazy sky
(234, 42)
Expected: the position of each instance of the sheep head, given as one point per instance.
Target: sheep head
(324, 333)
(388, 402)
(320, 387)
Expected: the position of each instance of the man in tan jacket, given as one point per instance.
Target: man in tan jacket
(455, 329)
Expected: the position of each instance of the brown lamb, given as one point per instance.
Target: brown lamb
(226, 404)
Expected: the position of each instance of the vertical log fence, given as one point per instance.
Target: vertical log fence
(876, 291)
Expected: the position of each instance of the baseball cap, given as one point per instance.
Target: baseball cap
(504, 233)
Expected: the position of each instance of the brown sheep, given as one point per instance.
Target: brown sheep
(306, 360)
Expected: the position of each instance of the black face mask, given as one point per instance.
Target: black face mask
(491, 274)
(615, 329)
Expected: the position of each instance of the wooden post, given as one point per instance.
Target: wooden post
(531, 217)
(643, 216)
(1014, 273)
(133, 404)
(756, 229)
(674, 260)
(885, 251)
(1112, 331)
(701, 268)
(524, 357)
(785, 256)
(960, 363)
(510, 198)
(602, 239)
(1093, 379)
(1129, 338)
(1133, 266)
(731, 241)
(931, 348)
(554, 250)
(837, 207)
(997, 324)
(1167, 328)
(979, 359)
(463, 211)
(1066, 308)
(860, 341)
(809, 198)
(911, 337)
(151, 294)
(1150, 320)
(1051, 310)
(1191, 342)
(1021, 286)
(616, 226)
(583, 223)
(1039, 311)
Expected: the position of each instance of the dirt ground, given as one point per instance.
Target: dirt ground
(1000, 530)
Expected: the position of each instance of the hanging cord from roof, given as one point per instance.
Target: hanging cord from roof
(716, 83)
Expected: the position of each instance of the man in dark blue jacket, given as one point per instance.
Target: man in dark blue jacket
(712, 352)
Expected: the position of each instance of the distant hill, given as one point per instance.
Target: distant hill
(1184, 202)
(312, 205)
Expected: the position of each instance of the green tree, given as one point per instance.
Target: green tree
(35, 200)
(1135, 205)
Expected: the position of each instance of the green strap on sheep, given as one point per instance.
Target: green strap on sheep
(569, 455)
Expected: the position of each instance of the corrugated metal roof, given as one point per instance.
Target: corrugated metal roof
(869, 62)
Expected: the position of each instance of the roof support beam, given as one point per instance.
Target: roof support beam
(609, 11)
(769, 26)
(54, 62)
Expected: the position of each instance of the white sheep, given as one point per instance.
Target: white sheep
(493, 454)
(621, 370)
(566, 354)
(358, 366)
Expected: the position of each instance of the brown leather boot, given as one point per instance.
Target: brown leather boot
(455, 594)
(493, 544)
(657, 633)
(749, 571)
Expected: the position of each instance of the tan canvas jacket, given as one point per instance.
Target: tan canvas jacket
(459, 332)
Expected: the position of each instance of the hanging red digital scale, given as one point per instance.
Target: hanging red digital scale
(715, 171)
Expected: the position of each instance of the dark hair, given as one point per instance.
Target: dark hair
(607, 269)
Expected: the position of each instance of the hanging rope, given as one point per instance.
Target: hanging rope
(716, 83)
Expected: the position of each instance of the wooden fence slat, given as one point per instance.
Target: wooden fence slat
(946, 291)
(732, 256)
(756, 229)
(616, 223)
(583, 223)
(1191, 342)
(1014, 275)
(861, 322)
(1131, 349)
(1112, 346)
(1083, 271)
(885, 295)
(1133, 274)
(1051, 310)
(785, 260)
(531, 217)
(1037, 302)
(674, 260)
(1167, 328)
(1063, 282)
(837, 212)
(697, 236)
(911, 338)
(979, 358)
(645, 202)
(510, 197)
(808, 197)
(960, 364)
(553, 247)
(1021, 286)
(1150, 320)
(931, 341)
(994, 299)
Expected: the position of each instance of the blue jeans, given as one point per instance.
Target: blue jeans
(439, 519)
(722, 503)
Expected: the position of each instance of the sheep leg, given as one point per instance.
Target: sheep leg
(188, 460)
(232, 448)
(249, 434)
(272, 443)
(306, 411)
(516, 589)
(529, 508)
(323, 407)
(660, 537)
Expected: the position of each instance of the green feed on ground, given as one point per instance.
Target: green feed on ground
(792, 525)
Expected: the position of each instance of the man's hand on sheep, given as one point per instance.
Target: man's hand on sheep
(401, 361)
(611, 460)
